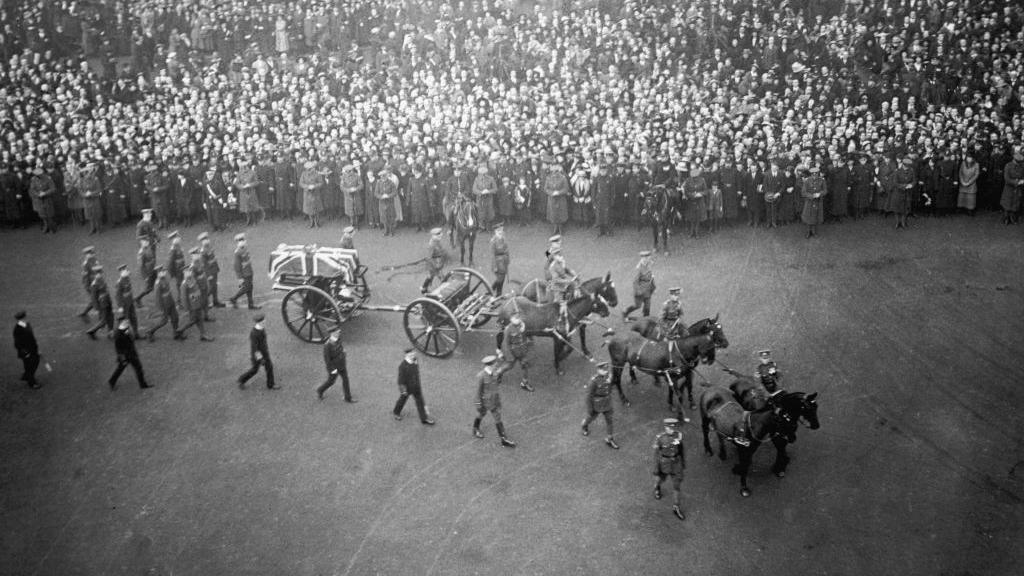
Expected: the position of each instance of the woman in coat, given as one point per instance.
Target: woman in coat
(419, 197)
(248, 202)
(945, 199)
(903, 192)
(556, 187)
(814, 206)
(484, 188)
(311, 183)
(352, 194)
(968, 178)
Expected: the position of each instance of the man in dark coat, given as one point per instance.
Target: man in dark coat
(284, 186)
(158, 188)
(27, 347)
(814, 206)
(409, 385)
(259, 354)
(43, 191)
(215, 194)
(243, 271)
(599, 401)
(334, 360)
(603, 196)
(124, 344)
(489, 400)
(863, 181)
(774, 185)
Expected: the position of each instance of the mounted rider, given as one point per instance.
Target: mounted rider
(672, 325)
(767, 372)
(437, 258)
(562, 283)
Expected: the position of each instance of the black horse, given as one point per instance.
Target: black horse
(651, 328)
(595, 295)
(752, 396)
(656, 212)
(747, 429)
(463, 221)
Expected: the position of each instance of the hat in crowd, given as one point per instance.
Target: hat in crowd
(348, 230)
(670, 422)
(436, 231)
(813, 169)
(174, 235)
(1018, 155)
(674, 290)
(258, 317)
(239, 237)
(146, 211)
(309, 165)
(488, 360)
(20, 315)
(764, 353)
(602, 367)
(645, 253)
(498, 226)
(203, 236)
(89, 250)
(123, 267)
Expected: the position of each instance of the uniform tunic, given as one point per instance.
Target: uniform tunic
(670, 457)
(500, 260)
(92, 196)
(643, 282)
(695, 189)
(488, 396)
(437, 257)
(768, 374)
(352, 193)
(42, 189)
(899, 199)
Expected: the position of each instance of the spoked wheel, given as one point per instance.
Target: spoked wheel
(476, 285)
(310, 313)
(432, 328)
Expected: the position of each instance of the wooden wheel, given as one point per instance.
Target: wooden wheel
(310, 313)
(432, 328)
(476, 284)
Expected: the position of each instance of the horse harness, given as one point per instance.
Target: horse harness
(746, 438)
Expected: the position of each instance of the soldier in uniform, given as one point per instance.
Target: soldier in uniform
(672, 316)
(158, 187)
(409, 385)
(814, 207)
(166, 304)
(901, 197)
(643, 286)
(603, 198)
(92, 197)
(437, 258)
(42, 190)
(243, 271)
(88, 264)
(767, 372)
(145, 228)
(195, 302)
(176, 263)
(259, 354)
(212, 269)
(198, 271)
(489, 400)
(553, 242)
(516, 345)
(500, 260)
(348, 238)
(124, 344)
(599, 401)
(562, 282)
(125, 299)
(670, 460)
(101, 301)
(334, 360)
(147, 268)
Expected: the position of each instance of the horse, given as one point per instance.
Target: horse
(752, 396)
(673, 358)
(463, 220)
(651, 329)
(536, 291)
(654, 211)
(595, 295)
(747, 429)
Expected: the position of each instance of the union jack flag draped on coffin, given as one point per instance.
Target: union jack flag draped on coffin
(310, 261)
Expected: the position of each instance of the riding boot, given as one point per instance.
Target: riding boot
(504, 439)
(425, 286)
(476, 428)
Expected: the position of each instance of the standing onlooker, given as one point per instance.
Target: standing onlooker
(259, 354)
(42, 191)
(334, 360)
(670, 460)
(643, 286)
(814, 207)
(1013, 182)
(409, 385)
(968, 198)
(124, 344)
(28, 349)
(599, 401)
(489, 400)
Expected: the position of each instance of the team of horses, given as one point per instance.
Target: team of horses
(742, 413)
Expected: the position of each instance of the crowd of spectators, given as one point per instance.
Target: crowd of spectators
(115, 106)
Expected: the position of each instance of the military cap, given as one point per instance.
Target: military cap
(160, 268)
(122, 267)
(555, 250)
(97, 268)
(258, 317)
(195, 250)
(554, 239)
(436, 231)
(645, 253)
(89, 250)
(674, 290)
(671, 422)
(488, 360)
(147, 211)
(349, 230)
(173, 235)
(602, 366)
(203, 236)
(764, 353)
(239, 236)
(608, 332)
(499, 226)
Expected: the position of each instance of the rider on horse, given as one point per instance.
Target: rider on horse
(672, 325)
(768, 372)
(561, 283)
(437, 258)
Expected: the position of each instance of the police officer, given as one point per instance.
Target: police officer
(599, 401)
(643, 286)
(670, 460)
(147, 268)
(489, 400)
(767, 372)
(672, 315)
(124, 344)
(101, 300)
(176, 263)
(125, 299)
(166, 304)
(243, 271)
(409, 385)
(500, 258)
(516, 345)
(259, 354)
(437, 258)
(334, 360)
(212, 269)
(88, 264)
